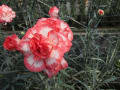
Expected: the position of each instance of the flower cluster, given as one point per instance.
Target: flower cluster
(6, 14)
(44, 44)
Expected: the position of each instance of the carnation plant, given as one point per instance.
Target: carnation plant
(43, 45)
(94, 55)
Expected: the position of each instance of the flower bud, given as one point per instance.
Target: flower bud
(101, 12)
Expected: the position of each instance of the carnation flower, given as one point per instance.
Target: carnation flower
(6, 14)
(11, 42)
(45, 44)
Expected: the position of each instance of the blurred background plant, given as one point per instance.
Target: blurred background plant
(94, 59)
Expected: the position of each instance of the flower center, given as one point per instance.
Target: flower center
(39, 47)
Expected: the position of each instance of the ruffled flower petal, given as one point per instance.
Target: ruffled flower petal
(63, 63)
(30, 33)
(24, 47)
(56, 68)
(53, 37)
(32, 64)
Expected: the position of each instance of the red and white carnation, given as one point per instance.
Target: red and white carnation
(11, 42)
(45, 44)
(6, 14)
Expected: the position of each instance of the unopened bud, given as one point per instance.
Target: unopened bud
(101, 12)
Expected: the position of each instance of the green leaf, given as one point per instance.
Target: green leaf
(109, 80)
(84, 84)
(68, 86)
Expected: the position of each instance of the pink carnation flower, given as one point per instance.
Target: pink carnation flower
(45, 44)
(6, 14)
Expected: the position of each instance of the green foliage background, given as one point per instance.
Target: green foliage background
(93, 59)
